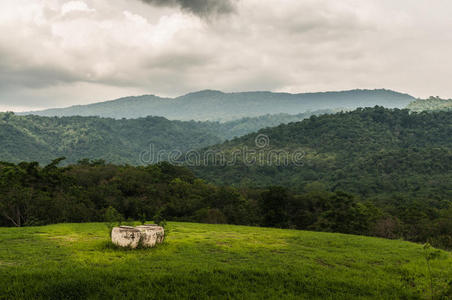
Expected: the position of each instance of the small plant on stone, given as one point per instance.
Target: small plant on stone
(112, 218)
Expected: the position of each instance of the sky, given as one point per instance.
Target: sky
(56, 53)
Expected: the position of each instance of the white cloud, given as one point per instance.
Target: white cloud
(57, 53)
(75, 6)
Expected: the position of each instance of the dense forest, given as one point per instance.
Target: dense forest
(430, 104)
(211, 105)
(241, 127)
(34, 138)
(371, 151)
(96, 191)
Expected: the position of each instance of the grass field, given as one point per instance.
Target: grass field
(198, 261)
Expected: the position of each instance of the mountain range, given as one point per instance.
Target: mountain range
(209, 105)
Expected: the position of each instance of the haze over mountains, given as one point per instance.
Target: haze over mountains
(218, 106)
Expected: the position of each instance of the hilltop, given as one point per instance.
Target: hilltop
(430, 104)
(219, 106)
(376, 147)
(75, 261)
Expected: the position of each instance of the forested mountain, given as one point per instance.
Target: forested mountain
(35, 138)
(219, 106)
(430, 104)
(373, 152)
(240, 127)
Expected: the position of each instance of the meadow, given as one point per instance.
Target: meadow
(201, 261)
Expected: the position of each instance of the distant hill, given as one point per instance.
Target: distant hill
(430, 104)
(219, 106)
(240, 127)
(370, 152)
(36, 138)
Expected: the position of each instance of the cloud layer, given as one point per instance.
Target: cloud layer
(59, 52)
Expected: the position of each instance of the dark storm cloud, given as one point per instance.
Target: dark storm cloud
(199, 7)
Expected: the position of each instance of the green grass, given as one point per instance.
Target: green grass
(198, 261)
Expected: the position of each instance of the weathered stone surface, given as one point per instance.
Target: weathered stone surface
(126, 236)
(144, 235)
(151, 235)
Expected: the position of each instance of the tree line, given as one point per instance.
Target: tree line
(93, 190)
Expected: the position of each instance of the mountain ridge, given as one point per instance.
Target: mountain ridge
(213, 105)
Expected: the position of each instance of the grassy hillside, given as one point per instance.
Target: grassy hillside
(219, 106)
(75, 261)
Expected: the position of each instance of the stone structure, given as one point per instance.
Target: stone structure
(132, 237)
(151, 234)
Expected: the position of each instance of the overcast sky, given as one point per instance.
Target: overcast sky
(55, 53)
